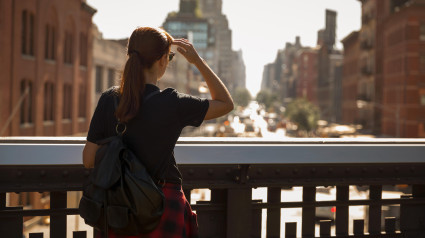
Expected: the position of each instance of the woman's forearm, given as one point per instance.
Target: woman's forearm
(216, 87)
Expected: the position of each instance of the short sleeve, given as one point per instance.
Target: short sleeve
(191, 109)
(96, 129)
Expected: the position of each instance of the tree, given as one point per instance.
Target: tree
(267, 98)
(242, 97)
(303, 113)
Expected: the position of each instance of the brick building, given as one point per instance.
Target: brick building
(391, 85)
(306, 82)
(403, 69)
(351, 76)
(45, 65)
(45, 60)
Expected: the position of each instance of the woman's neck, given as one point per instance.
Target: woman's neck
(151, 77)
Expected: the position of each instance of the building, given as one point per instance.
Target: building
(329, 71)
(188, 23)
(403, 69)
(306, 75)
(268, 82)
(109, 57)
(391, 72)
(238, 70)
(46, 62)
(350, 81)
(280, 76)
(286, 66)
(221, 38)
(203, 23)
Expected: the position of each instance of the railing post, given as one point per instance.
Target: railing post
(412, 216)
(239, 212)
(375, 211)
(256, 219)
(10, 226)
(341, 217)
(390, 225)
(325, 228)
(273, 214)
(358, 227)
(290, 230)
(213, 222)
(2, 200)
(58, 222)
(36, 235)
(308, 213)
(79, 234)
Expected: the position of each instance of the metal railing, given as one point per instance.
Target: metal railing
(231, 168)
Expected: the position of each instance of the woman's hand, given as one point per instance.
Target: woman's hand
(186, 48)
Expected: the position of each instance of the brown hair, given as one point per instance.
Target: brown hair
(145, 46)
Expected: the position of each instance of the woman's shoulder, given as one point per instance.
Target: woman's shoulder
(111, 92)
(170, 93)
(175, 93)
(108, 95)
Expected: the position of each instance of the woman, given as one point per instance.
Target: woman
(154, 127)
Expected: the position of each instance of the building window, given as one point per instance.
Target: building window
(99, 79)
(82, 101)
(422, 31)
(49, 90)
(27, 33)
(68, 48)
(24, 32)
(67, 101)
(111, 76)
(83, 49)
(26, 102)
(50, 39)
(422, 63)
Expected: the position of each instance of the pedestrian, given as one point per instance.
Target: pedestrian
(152, 130)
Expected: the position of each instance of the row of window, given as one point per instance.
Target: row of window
(50, 41)
(112, 74)
(27, 104)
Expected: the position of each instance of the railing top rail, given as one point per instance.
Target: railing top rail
(63, 151)
(226, 140)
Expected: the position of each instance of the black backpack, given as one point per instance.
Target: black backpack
(120, 192)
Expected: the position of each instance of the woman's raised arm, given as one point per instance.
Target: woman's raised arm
(222, 102)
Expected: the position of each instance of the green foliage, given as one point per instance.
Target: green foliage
(242, 97)
(303, 113)
(267, 98)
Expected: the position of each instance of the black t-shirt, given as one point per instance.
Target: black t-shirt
(153, 133)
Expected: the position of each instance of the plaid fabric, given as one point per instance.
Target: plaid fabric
(178, 219)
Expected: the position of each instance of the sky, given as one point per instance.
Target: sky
(259, 27)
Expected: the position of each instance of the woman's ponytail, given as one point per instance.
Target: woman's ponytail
(145, 46)
(131, 88)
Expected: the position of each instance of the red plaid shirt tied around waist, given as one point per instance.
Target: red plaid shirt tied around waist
(178, 219)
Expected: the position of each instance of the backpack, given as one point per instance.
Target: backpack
(120, 192)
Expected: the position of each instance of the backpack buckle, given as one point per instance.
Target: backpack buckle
(122, 126)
